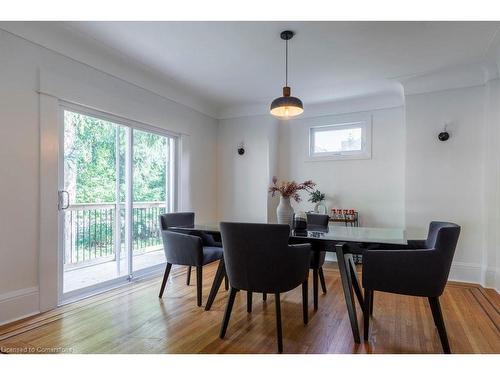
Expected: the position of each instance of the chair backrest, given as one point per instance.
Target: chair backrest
(435, 228)
(443, 238)
(179, 248)
(182, 248)
(317, 219)
(258, 259)
(176, 219)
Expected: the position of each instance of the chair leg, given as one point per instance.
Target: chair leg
(315, 288)
(278, 322)
(305, 302)
(227, 313)
(366, 313)
(226, 282)
(249, 302)
(322, 280)
(188, 277)
(165, 278)
(264, 296)
(438, 320)
(372, 295)
(199, 284)
(219, 275)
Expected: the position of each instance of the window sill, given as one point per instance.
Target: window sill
(362, 156)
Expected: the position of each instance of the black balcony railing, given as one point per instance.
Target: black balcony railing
(92, 234)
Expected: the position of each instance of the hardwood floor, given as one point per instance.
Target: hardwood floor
(133, 320)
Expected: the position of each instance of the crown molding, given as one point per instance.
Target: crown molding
(69, 43)
(65, 41)
(382, 100)
(451, 78)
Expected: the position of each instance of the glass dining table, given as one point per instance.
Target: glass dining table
(341, 240)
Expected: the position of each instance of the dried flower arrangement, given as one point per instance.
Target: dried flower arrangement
(290, 189)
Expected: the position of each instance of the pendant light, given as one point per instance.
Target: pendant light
(286, 106)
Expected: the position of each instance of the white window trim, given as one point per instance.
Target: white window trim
(366, 142)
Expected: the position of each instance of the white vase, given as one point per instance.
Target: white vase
(285, 212)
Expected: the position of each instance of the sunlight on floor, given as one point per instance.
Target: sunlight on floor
(86, 276)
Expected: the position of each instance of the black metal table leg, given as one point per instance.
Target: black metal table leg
(219, 276)
(347, 287)
(354, 279)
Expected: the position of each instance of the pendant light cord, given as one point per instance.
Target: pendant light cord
(286, 62)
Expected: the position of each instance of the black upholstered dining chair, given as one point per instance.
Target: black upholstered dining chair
(178, 219)
(419, 269)
(259, 259)
(188, 250)
(319, 221)
(186, 219)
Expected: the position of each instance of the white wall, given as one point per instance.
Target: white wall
(444, 180)
(26, 68)
(412, 177)
(371, 186)
(374, 187)
(243, 179)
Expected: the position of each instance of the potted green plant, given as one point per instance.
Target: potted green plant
(318, 197)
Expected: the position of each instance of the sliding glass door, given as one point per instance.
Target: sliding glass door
(116, 178)
(152, 184)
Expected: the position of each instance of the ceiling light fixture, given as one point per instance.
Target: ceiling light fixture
(286, 106)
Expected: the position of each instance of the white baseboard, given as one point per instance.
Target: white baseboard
(492, 278)
(463, 272)
(467, 272)
(19, 304)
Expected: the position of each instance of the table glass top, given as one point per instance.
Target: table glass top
(334, 233)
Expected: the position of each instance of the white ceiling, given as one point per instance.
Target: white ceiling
(242, 63)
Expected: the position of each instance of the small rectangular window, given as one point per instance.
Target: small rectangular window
(340, 141)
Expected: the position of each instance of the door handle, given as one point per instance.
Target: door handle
(60, 203)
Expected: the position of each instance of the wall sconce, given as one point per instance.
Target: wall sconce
(444, 135)
(241, 148)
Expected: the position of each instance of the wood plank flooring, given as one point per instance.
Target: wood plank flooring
(133, 320)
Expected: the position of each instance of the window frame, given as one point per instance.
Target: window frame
(366, 141)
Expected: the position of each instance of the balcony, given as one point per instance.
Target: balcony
(94, 241)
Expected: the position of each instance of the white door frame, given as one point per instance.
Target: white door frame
(48, 256)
